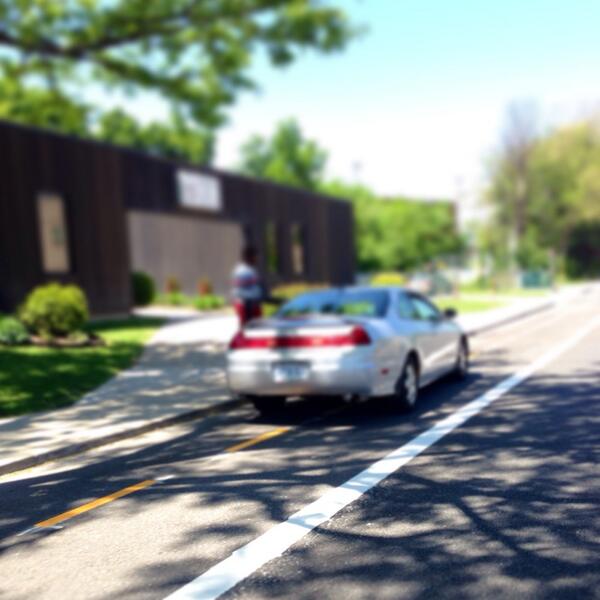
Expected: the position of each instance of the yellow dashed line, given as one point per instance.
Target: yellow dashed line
(258, 439)
(95, 503)
(148, 482)
(78, 510)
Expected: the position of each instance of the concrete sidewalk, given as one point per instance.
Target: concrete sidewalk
(180, 376)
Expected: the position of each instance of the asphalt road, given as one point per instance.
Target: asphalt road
(506, 504)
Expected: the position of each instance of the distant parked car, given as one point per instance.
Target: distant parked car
(358, 342)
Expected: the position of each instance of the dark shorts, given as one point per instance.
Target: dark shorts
(246, 311)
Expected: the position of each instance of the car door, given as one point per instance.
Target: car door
(438, 341)
(406, 332)
(416, 331)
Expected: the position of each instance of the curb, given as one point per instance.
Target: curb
(73, 449)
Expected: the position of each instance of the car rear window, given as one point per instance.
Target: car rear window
(368, 303)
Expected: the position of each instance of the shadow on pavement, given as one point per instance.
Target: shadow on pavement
(26, 501)
(507, 506)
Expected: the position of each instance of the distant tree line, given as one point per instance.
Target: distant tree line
(545, 197)
(391, 233)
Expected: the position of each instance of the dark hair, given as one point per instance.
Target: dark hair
(249, 253)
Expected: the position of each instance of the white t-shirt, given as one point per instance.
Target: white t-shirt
(245, 283)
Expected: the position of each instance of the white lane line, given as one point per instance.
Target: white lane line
(249, 558)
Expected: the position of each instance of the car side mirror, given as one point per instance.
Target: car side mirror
(450, 313)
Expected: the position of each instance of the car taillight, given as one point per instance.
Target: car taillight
(242, 342)
(236, 341)
(360, 337)
(356, 337)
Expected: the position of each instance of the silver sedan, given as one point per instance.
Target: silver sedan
(354, 342)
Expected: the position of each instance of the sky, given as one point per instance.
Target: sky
(416, 105)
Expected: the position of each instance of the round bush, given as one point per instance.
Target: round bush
(55, 310)
(143, 288)
(12, 331)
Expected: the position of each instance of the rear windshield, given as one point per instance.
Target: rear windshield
(367, 303)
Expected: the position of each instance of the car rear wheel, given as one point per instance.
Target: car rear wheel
(268, 405)
(407, 387)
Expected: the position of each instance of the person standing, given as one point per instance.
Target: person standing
(247, 288)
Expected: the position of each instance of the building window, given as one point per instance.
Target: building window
(248, 234)
(54, 241)
(298, 252)
(272, 248)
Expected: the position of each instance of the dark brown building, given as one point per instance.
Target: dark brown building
(80, 211)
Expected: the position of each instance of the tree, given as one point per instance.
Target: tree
(509, 191)
(52, 110)
(195, 54)
(583, 251)
(398, 233)
(543, 193)
(565, 189)
(174, 139)
(287, 157)
(42, 108)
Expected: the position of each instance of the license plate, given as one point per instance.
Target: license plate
(286, 372)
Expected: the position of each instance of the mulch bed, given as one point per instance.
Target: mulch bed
(91, 340)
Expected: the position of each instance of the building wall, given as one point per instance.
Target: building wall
(255, 205)
(165, 245)
(88, 179)
(102, 184)
(340, 247)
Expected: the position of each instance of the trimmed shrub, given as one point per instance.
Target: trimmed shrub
(209, 302)
(177, 299)
(55, 310)
(390, 278)
(172, 285)
(204, 287)
(12, 331)
(143, 288)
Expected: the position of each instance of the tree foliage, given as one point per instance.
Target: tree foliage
(391, 234)
(174, 139)
(399, 233)
(42, 107)
(287, 157)
(195, 54)
(583, 251)
(51, 109)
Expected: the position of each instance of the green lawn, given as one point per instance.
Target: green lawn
(465, 304)
(475, 301)
(34, 378)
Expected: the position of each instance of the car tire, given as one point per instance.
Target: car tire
(461, 368)
(268, 405)
(407, 387)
